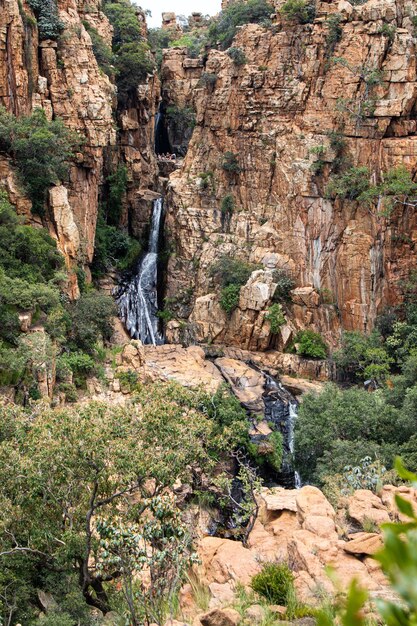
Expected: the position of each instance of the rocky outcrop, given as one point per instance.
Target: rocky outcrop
(63, 78)
(272, 113)
(303, 529)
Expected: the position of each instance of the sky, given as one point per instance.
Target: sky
(180, 7)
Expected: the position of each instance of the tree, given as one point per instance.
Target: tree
(66, 475)
(223, 29)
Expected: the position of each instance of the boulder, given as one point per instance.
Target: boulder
(224, 560)
(363, 543)
(255, 614)
(364, 505)
(220, 617)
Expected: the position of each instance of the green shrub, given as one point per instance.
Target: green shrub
(349, 185)
(70, 391)
(334, 33)
(194, 42)
(229, 298)
(132, 58)
(40, 149)
(46, 12)
(275, 317)
(114, 249)
(230, 271)
(117, 185)
(133, 64)
(227, 209)
(91, 318)
(102, 52)
(285, 284)
(275, 582)
(388, 31)
(180, 119)
(301, 11)
(311, 345)
(268, 452)
(224, 28)
(230, 163)
(208, 80)
(128, 379)
(237, 55)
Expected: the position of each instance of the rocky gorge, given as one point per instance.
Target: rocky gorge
(236, 206)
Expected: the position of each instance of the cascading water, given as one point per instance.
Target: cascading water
(138, 299)
(281, 410)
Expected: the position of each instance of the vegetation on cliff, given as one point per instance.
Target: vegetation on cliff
(41, 150)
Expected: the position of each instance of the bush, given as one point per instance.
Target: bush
(237, 55)
(230, 271)
(349, 185)
(132, 58)
(301, 11)
(113, 249)
(208, 80)
(334, 34)
(230, 163)
(275, 583)
(40, 149)
(91, 319)
(275, 317)
(285, 284)
(229, 298)
(223, 29)
(311, 345)
(46, 12)
(227, 209)
(102, 52)
(117, 185)
(133, 64)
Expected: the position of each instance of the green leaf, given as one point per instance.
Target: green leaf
(405, 507)
(403, 472)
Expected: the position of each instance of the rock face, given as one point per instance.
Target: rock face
(64, 79)
(273, 113)
(301, 528)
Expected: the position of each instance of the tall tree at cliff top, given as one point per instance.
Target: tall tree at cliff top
(133, 60)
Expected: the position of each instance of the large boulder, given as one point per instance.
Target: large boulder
(220, 617)
(364, 506)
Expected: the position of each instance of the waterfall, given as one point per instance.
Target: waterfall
(138, 299)
(281, 410)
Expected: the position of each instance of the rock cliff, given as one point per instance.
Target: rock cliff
(63, 78)
(289, 102)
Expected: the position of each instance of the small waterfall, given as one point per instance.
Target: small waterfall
(138, 299)
(281, 410)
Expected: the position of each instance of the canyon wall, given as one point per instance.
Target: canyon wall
(63, 78)
(274, 112)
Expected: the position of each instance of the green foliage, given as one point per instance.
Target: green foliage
(229, 298)
(230, 163)
(396, 187)
(114, 249)
(194, 42)
(208, 80)
(91, 320)
(229, 271)
(40, 149)
(180, 120)
(368, 474)
(237, 55)
(301, 11)
(389, 31)
(311, 345)
(227, 209)
(338, 428)
(362, 356)
(65, 474)
(275, 317)
(101, 50)
(223, 29)
(275, 582)
(349, 185)
(46, 12)
(133, 64)
(117, 184)
(132, 58)
(268, 452)
(284, 285)
(334, 33)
